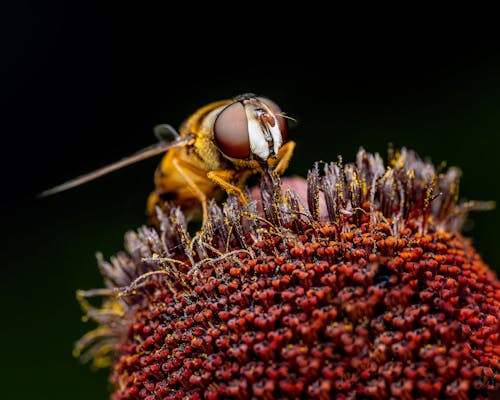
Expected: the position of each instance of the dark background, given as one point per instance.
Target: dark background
(83, 86)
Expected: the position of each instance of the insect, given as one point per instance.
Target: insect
(216, 150)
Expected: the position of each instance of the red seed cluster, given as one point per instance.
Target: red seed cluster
(275, 307)
(315, 317)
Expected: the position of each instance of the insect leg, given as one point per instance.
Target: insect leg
(222, 178)
(194, 188)
(284, 156)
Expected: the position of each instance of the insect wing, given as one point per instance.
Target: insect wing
(150, 151)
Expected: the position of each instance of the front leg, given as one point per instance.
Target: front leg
(223, 178)
(284, 155)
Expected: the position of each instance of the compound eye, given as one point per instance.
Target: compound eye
(282, 121)
(231, 131)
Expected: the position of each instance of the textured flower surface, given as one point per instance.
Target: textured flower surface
(365, 289)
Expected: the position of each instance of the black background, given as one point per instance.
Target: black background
(82, 86)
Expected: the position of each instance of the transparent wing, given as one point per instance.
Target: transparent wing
(150, 151)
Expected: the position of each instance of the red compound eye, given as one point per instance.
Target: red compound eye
(231, 131)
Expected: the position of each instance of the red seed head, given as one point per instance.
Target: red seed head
(364, 290)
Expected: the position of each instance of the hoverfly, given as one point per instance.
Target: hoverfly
(217, 149)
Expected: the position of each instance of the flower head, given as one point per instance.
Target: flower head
(364, 289)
